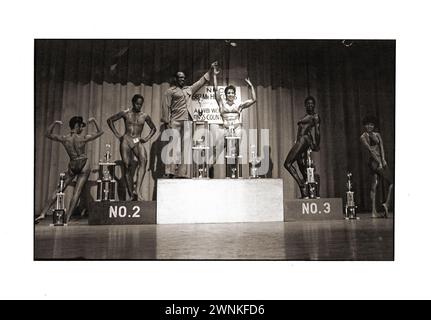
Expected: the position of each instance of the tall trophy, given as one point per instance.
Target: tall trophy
(311, 183)
(200, 147)
(59, 213)
(106, 184)
(233, 158)
(350, 208)
(254, 162)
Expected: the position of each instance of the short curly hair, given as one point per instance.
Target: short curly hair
(370, 119)
(74, 120)
(229, 87)
(310, 98)
(136, 97)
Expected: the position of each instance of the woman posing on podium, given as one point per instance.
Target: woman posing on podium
(230, 110)
(305, 140)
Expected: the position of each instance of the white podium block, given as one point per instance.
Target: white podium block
(219, 200)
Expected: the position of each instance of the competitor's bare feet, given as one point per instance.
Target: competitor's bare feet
(37, 220)
(375, 215)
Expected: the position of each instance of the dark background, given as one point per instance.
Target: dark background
(99, 77)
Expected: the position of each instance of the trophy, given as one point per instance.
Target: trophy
(200, 148)
(311, 183)
(233, 163)
(106, 184)
(254, 161)
(350, 209)
(202, 165)
(59, 213)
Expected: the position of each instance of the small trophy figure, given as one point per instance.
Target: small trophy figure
(198, 113)
(311, 183)
(59, 213)
(254, 161)
(108, 153)
(233, 176)
(231, 131)
(195, 115)
(350, 209)
(106, 184)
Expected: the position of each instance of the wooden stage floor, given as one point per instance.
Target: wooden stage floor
(365, 239)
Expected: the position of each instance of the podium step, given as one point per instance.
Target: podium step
(313, 209)
(219, 200)
(122, 212)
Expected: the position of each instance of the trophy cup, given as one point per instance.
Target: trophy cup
(106, 184)
(200, 146)
(350, 209)
(59, 213)
(254, 161)
(311, 183)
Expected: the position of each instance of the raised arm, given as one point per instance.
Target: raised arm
(49, 132)
(93, 136)
(114, 118)
(248, 103)
(215, 87)
(152, 131)
(365, 143)
(204, 79)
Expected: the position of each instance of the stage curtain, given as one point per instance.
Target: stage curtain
(97, 78)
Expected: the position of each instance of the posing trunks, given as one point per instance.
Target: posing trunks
(384, 172)
(76, 166)
(130, 141)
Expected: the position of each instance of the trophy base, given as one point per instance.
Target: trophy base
(106, 190)
(233, 167)
(350, 213)
(58, 217)
(312, 190)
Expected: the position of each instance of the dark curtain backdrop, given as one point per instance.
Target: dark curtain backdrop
(97, 78)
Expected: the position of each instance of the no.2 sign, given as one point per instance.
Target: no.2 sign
(122, 212)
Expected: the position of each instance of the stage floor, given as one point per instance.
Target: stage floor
(365, 239)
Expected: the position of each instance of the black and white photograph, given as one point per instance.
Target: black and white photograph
(214, 149)
(201, 154)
